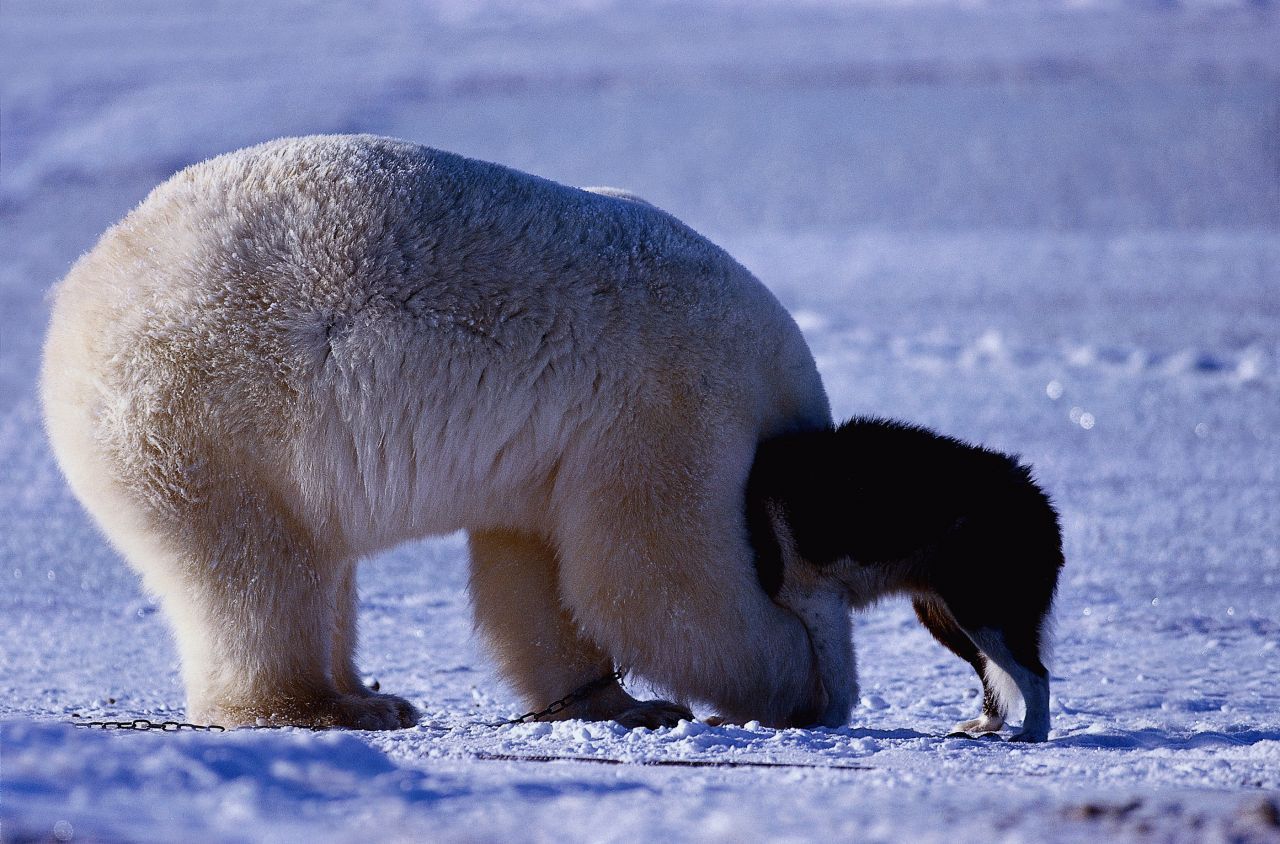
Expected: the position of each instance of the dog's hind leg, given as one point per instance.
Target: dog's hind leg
(1006, 628)
(1019, 658)
(935, 616)
(1018, 551)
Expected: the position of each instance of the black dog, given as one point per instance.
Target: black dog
(842, 517)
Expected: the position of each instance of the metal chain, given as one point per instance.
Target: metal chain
(146, 725)
(583, 691)
(143, 725)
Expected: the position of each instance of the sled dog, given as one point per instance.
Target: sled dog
(841, 517)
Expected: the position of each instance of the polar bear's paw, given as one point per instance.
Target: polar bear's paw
(406, 712)
(359, 712)
(342, 711)
(653, 714)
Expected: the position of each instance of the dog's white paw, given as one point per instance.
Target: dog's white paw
(983, 724)
(1031, 736)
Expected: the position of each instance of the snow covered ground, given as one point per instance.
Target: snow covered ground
(1051, 228)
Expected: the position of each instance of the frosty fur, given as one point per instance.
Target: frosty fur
(294, 356)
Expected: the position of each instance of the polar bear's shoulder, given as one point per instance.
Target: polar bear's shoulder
(332, 160)
(348, 172)
(372, 162)
(619, 193)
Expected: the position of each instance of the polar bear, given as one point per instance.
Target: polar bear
(290, 357)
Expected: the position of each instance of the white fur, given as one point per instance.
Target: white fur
(619, 193)
(298, 354)
(1034, 689)
(825, 612)
(982, 724)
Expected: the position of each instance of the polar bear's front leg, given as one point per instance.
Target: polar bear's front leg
(535, 640)
(665, 582)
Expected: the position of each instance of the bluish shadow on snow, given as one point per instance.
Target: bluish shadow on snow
(867, 733)
(272, 770)
(277, 767)
(540, 790)
(1151, 739)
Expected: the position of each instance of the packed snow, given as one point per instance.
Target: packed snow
(1051, 228)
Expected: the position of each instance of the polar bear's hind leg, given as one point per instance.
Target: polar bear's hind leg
(346, 677)
(255, 605)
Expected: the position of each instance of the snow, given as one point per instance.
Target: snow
(1050, 228)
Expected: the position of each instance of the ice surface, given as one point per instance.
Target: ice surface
(1051, 228)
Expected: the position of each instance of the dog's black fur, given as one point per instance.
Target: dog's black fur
(977, 541)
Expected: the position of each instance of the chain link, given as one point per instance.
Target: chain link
(583, 691)
(143, 725)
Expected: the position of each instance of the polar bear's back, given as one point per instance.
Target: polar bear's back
(303, 245)
(381, 329)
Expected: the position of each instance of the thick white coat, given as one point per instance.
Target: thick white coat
(295, 355)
